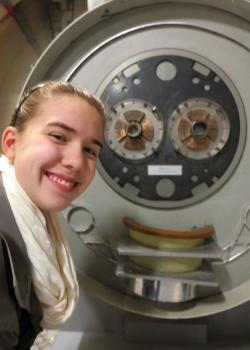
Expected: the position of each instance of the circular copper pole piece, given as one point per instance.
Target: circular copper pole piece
(135, 130)
(197, 129)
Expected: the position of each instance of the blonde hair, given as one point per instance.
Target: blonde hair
(32, 100)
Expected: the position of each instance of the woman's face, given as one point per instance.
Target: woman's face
(55, 156)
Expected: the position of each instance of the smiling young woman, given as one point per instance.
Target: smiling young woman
(50, 153)
(55, 155)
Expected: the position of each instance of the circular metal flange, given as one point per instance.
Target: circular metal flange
(199, 128)
(173, 291)
(80, 219)
(189, 101)
(134, 129)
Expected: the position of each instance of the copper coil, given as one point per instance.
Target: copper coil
(184, 129)
(136, 144)
(120, 130)
(196, 144)
(198, 115)
(212, 128)
(134, 115)
(147, 129)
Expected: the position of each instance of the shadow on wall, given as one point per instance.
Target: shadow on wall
(30, 26)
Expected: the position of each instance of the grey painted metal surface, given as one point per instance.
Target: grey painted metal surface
(87, 53)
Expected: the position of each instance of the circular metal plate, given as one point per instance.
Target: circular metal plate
(189, 93)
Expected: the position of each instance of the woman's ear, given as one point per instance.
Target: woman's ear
(9, 142)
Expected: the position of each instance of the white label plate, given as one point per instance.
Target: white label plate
(160, 170)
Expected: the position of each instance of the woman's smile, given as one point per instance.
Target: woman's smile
(62, 182)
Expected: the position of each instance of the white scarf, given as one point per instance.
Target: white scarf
(53, 273)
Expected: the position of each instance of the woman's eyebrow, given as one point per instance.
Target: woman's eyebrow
(98, 143)
(69, 129)
(62, 126)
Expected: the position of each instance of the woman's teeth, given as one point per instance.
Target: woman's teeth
(61, 181)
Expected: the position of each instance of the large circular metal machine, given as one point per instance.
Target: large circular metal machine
(175, 78)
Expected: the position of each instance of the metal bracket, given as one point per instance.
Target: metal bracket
(241, 243)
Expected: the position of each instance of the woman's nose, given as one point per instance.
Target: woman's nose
(73, 158)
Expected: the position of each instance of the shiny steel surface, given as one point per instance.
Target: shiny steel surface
(202, 277)
(158, 290)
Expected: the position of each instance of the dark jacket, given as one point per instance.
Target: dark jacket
(20, 311)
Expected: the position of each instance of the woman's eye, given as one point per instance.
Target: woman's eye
(58, 137)
(91, 152)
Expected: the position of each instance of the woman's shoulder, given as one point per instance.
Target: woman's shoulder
(8, 314)
(17, 326)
